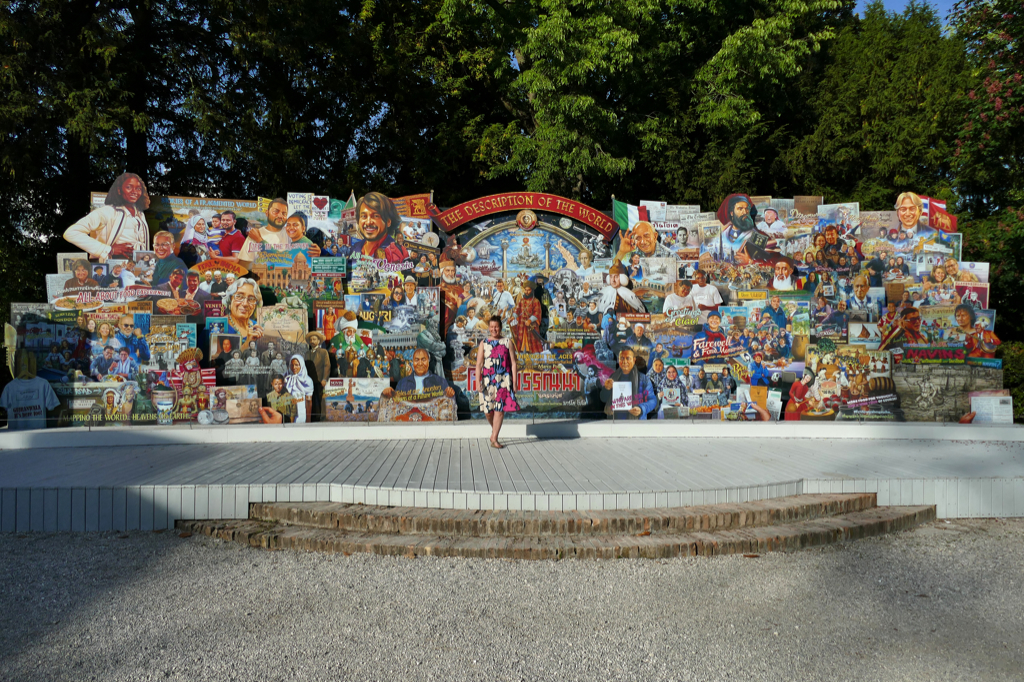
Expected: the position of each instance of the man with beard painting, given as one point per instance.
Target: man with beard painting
(785, 277)
(452, 292)
(740, 233)
(273, 233)
(644, 398)
(617, 296)
(232, 240)
(526, 323)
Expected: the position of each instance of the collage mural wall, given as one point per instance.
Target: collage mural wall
(312, 308)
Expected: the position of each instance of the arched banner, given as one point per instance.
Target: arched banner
(498, 203)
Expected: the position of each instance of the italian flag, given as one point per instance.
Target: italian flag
(627, 215)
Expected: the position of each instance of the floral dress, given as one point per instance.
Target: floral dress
(496, 394)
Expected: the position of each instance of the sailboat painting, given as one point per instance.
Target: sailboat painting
(866, 334)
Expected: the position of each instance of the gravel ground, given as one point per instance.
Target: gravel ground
(943, 602)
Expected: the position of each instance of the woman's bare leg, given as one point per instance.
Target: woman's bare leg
(499, 417)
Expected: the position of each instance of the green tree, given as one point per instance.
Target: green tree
(62, 106)
(990, 148)
(888, 110)
(998, 239)
(614, 95)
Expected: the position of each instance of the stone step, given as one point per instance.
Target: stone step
(471, 523)
(749, 540)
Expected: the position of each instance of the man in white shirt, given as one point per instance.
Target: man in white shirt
(679, 299)
(128, 277)
(705, 296)
(502, 300)
(473, 322)
(207, 283)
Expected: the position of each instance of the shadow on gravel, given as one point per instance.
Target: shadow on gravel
(941, 602)
(53, 581)
(937, 593)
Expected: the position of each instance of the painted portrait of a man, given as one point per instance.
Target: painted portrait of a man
(378, 224)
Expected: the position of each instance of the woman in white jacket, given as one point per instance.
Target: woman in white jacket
(118, 228)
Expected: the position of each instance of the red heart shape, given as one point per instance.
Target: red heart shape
(320, 202)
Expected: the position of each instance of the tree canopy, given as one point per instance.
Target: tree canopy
(681, 100)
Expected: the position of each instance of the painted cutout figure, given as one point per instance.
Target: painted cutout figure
(453, 292)
(909, 209)
(300, 386)
(617, 296)
(273, 233)
(419, 384)
(378, 224)
(741, 241)
(644, 400)
(118, 228)
(526, 323)
(243, 299)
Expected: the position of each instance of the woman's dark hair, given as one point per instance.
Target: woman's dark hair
(495, 318)
(114, 197)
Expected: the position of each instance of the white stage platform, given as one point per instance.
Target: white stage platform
(514, 428)
(113, 479)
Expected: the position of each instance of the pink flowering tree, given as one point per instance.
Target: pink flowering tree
(990, 148)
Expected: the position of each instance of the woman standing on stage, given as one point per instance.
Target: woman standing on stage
(496, 373)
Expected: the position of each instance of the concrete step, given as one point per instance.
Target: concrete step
(745, 540)
(470, 523)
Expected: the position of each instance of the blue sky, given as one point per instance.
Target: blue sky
(941, 6)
